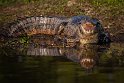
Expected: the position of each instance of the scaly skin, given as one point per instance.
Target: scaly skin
(80, 28)
(35, 25)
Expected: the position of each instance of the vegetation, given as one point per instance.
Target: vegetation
(109, 12)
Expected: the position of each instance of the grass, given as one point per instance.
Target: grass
(6, 2)
(109, 12)
(108, 2)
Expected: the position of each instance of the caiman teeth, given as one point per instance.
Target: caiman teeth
(92, 60)
(87, 60)
(89, 31)
(92, 31)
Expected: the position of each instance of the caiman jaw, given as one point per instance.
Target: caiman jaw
(90, 34)
(88, 28)
(87, 63)
(89, 39)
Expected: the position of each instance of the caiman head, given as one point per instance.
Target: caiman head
(89, 33)
(88, 56)
(92, 31)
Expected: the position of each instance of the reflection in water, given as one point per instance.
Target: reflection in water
(17, 66)
(86, 55)
(43, 51)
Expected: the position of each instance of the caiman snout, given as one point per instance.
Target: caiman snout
(89, 33)
(88, 39)
(88, 28)
(87, 63)
(94, 34)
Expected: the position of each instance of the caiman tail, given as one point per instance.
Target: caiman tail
(35, 25)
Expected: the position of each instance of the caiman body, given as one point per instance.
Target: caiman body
(81, 29)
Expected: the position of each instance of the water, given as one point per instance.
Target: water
(36, 63)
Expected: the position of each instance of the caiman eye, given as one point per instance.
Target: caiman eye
(64, 23)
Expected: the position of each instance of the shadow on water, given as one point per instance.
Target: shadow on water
(45, 61)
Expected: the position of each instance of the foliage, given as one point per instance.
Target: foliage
(109, 11)
(107, 2)
(24, 40)
(5, 2)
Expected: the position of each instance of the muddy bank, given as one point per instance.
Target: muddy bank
(110, 13)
